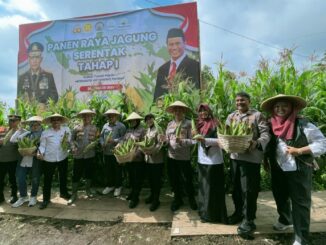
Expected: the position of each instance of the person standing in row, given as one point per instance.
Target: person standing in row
(179, 140)
(245, 167)
(295, 142)
(112, 132)
(154, 163)
(9, 157)
(211, 193)
(28, 163)
(83, 135)
(53, 150)
(136, 168)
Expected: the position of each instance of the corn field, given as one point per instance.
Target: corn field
(217, 90)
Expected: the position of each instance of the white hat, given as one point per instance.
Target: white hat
(298, 102)
(86, 112)
(171, 107)
(48, 119)
(111, 111)
(133, 116)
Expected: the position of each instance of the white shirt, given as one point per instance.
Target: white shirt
(50, 144)
(316, 143)
(177, 62)
(214, 154)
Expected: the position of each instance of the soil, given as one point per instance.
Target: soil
(18, 229)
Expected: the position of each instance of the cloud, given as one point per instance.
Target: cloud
(29, 7)
(13, 21)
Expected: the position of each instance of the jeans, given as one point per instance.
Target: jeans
(21, 173)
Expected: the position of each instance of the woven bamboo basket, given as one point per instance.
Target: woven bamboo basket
(126, 158)
(150, 150)
(27, 151)
(235, 144)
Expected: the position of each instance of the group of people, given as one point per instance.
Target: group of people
(287, 141)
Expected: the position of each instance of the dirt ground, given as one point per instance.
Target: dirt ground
(21, 229)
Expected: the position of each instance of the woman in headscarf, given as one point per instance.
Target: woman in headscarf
(211, 193)
(294, 145)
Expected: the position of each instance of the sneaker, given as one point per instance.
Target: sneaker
(20, 202)
(107, 190)
(281, 227)
(246, 226)
(32, 202)
(117, 192)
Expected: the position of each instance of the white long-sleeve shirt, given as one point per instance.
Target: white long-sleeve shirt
(316, 143)
(213, 155)
(50, 144)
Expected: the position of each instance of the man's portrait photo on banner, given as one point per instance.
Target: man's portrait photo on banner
(36, 83)
(179, 62)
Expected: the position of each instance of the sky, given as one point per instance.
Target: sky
(238, 33)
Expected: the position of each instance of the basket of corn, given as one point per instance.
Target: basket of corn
(27, 147)
(125, 152)
(236, 137)
(148, 145)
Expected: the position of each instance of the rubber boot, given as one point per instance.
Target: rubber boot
(74, 194)
(88, 188)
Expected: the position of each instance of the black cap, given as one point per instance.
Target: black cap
(14, 117)
(35, 47)
(148, 116)
(175, 32)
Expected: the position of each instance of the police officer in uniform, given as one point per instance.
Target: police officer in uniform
(37, 84)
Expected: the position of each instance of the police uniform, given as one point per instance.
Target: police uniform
(38, 85)
(8, 161)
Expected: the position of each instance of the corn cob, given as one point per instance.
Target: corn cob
(235, 129)
(64, 141)
(125, 148)
(8, 136)
(108, 137)
(178, 130)
(90, 146)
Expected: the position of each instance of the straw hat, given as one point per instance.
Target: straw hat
(48, 119)
(112, 111)
(133, 116)
(34, 119)
(298, 102)
(86, 112)
(171, 107)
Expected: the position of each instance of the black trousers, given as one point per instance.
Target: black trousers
(136, 171)
(10, 168)
(211, 193)
(292, 194)
(155, 173)
(48, 170)
(113, 170)
(178, 171)
(83, 167)
(246, 186)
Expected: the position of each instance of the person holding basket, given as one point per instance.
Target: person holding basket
(245, 166)
(135, 165)
(28, 162)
